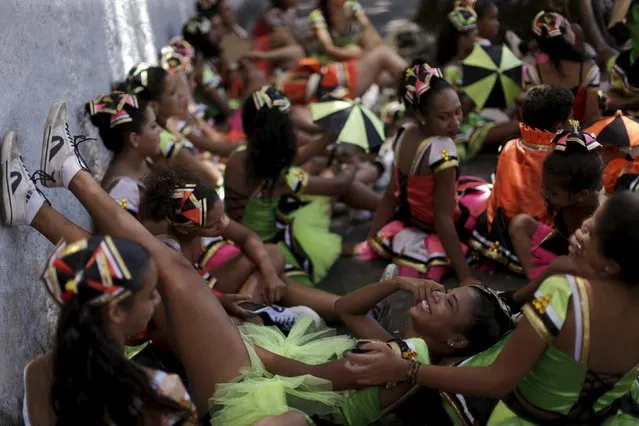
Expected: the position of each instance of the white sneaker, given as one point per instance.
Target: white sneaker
(285, 318)
(21, 200)
(60, 160)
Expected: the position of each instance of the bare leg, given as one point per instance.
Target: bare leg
(361, 197)
(521, 229)
(232, 274)
(369, 39)
(318, 300)
(197, 324)
(372, 64)
(55, 227)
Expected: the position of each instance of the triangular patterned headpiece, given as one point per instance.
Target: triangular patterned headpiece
(100, 278)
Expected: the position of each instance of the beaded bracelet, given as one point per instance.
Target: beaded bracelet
(413, 370)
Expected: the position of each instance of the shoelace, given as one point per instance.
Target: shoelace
(76, 141)
(26, 169)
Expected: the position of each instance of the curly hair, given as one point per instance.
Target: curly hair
(157, 202)
(546, 106)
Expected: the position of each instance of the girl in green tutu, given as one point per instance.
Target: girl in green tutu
(573, 358)
(268, 193)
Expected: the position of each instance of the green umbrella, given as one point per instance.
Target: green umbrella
(492, 76)
(350, 120)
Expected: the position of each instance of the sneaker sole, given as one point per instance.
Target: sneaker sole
(5, 184)
(54, 112)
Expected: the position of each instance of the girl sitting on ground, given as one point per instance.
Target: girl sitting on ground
(571, 180)
(231, 256)
(479, 129)
(560, 62)
(265, 191)
(417, 223)
(342, 30)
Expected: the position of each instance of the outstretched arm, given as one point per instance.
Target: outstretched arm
(521, 351)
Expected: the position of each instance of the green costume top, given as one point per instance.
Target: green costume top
(352, 9)
(559, 389)
(297, 223)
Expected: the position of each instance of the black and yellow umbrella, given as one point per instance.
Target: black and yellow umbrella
(350, 120)
(618, 131)
(492, 76)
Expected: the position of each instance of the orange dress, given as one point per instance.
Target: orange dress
(517, 189)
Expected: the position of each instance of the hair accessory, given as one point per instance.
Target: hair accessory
(464, 19)
(100, 277)
(198, 24)
(564, 137)
(173, 62)
(549, 24)
(270, 97)
(505, 314)
(181, 46)
(138, 78)
(191, 211)
(417, 81)
(113, 105)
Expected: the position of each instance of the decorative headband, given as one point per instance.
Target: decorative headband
(270, 97)
(101, 278)
(565, 137)
(464, 19)
(505, 315)
(418, 81)
(198, 25)
(190, 211)
(181, 46)
(113, 104)
(173, 62)
(549, 24)
(138, 78)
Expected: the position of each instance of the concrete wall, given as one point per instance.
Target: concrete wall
(68, 49)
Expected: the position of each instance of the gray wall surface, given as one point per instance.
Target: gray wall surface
(72, 50)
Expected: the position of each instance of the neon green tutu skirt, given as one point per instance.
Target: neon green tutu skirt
(258, 393)
(308, 243)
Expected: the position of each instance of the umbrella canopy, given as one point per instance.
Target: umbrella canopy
(350, 120)
(492, 76)
(618, 131)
